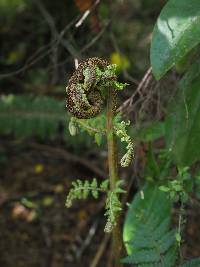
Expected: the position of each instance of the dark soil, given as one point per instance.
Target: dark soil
(36, 228)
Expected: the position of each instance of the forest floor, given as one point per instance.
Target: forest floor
(36, 228)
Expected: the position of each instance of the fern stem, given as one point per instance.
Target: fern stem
(92, 129)
(113, 175)
(89, 188)
(180, 229)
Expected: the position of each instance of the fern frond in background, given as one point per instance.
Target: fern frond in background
(26, 116)
(42, 116)
(192, 263)
(147, 235)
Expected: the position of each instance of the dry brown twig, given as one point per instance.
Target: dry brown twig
(126, 74)
(127, 106)
(87, 13)
(40, 53)
(100, 251)
(87, 241)
(52, 46)
(55, 35)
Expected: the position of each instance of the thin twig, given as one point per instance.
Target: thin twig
(41, 52)
(100, 251)
(50, 21)
(86, 14)
(124, 71)
(55, 34)
(96, 38)
(145, 82)
(88, 239)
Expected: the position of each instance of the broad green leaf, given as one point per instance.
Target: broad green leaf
(183, 122)
(148, 204)
(147, 235)
(176, 32)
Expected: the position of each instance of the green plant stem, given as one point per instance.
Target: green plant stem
(180, 226)
(113, 175)
(89, 128)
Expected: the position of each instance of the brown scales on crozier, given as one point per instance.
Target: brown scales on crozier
(84, 98)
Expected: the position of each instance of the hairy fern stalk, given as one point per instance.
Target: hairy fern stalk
(93, 83)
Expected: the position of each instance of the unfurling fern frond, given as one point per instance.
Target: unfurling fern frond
(91, 84)
(85, 96)
(82, 189)
(121, 132)
(147, 235)
(113, 207)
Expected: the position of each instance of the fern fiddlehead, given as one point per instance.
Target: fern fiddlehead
(85, 89)
(93, 82)
(86, 92)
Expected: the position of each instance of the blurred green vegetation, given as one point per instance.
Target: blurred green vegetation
(39, 41)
